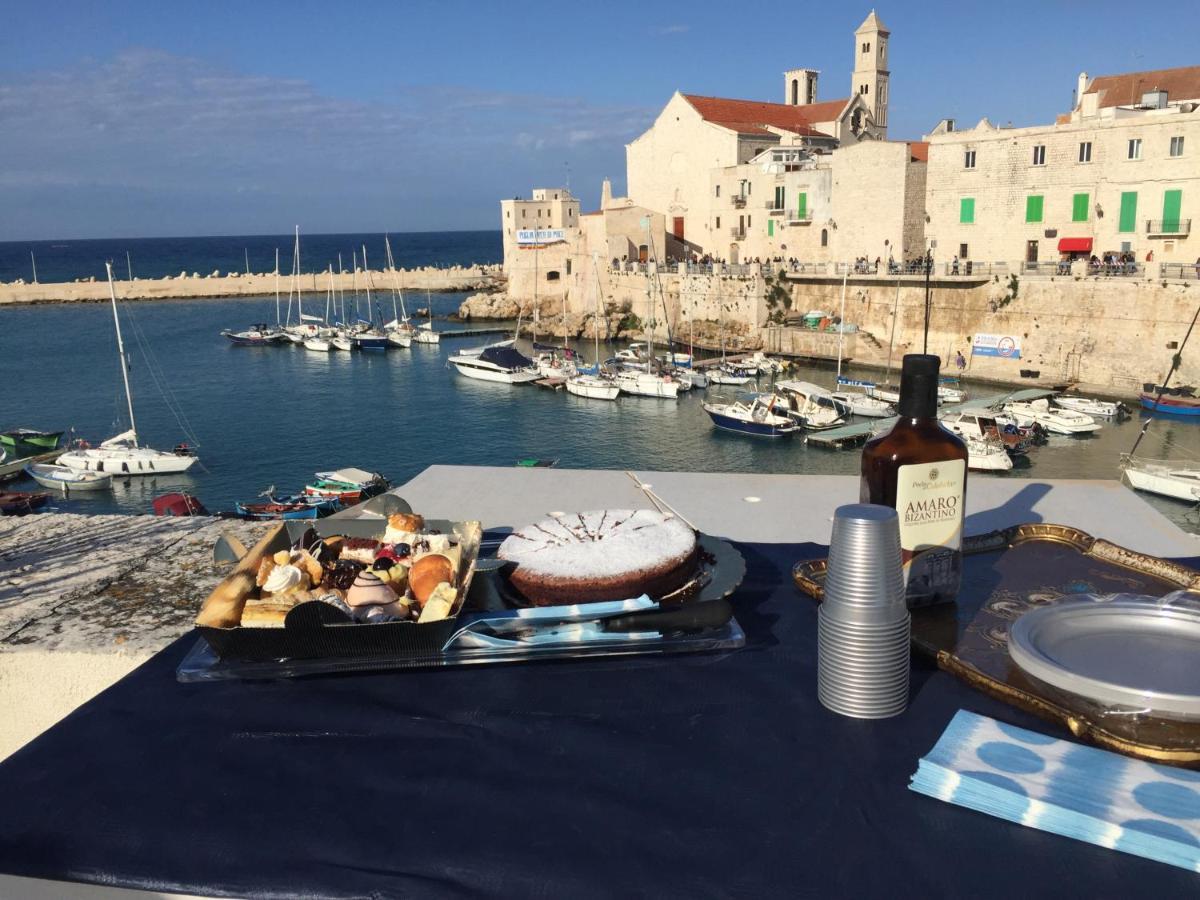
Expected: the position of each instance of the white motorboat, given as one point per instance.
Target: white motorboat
(1162, 477)
(1057, 421)
(987, 455)
(863, 404)
(66, 479)
(595, 387)
(647, 384)
(725, 375)
(759, 418)
(1088, 406)
(319, 344)
(811, 406)
(121, 454)
(497, 363)
(947, 394)
(982, 424)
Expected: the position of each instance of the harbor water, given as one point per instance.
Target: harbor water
(271, 416)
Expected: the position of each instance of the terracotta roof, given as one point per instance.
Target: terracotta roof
(1127, 89)
(752, 117)
(918, 151)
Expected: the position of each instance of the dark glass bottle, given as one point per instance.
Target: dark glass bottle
(920, 469)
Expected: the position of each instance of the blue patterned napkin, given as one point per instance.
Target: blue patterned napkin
(1064, 788)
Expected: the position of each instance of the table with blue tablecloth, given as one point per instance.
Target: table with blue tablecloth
(690, 776)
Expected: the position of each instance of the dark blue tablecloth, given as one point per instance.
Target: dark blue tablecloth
(689, 776)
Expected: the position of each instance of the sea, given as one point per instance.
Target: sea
(269, 417)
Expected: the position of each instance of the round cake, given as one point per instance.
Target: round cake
(612, 554)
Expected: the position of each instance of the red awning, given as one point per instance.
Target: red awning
(1074, 245)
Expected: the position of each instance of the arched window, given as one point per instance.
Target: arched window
(795, 91)
(824, 237)
(552, 276)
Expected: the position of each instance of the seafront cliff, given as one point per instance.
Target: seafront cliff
(192, 285)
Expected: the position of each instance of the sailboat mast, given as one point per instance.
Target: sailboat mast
(367, 278)
(112, 293)
(396, 289)
(842, 326)
(276, 287)
(296, 278)
(342, 288)
(887, 377)
(329, 296)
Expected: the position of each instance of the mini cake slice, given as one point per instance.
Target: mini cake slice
(610, 554)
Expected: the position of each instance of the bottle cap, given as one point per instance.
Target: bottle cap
(918, 386)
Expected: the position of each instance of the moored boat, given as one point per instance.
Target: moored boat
(1175, 404)
(318, 344)
(19, 442)
(647, 384)
(757, 418)
(276, 510)
(503, 364)
(258, 335)
(1090, 406)
(981, 424)
(347, 486)
(725, 374)
(987, 455)
(66, 479)
(18, 503)
(1057, 421)
(594, 387)
(1163, 477)
(812, 406)
(177, 503)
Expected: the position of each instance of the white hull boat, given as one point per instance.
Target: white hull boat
(497, 363)
(1088, 406)
(697, 378)
(341, 342)
(647, 384)
(400, 338)
(864, 405)
(726, 375)
(947, 394)
(594, 387)
(426, 335)
(757, 418)
(886, 393)
(987, 456)
(1056, 421)
(66, 479)
(319, 344)
(1162, 477)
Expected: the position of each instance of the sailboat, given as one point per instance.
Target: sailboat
(371, 338)
(648, 383)
(306, 328)
(595, 385)
(399, 331)
(724, 373)
(425, 333)
(260, 333)
(321, 342)
(859, 403)
(340, 340)
(121, 454)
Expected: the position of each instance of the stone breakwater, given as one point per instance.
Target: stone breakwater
(86, 599)
(194, 285)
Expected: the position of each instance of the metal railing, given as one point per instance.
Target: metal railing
(1186, 271)
(737, 232)
(796, 217)
(966, 267)
(772, 209)
(1168, 226)
(739, 201)
(1114, 269)
(1046, 267)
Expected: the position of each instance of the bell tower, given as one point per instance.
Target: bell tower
(800, 86)
(871, 73)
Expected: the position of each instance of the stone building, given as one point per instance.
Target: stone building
(538, 234)
(1118, 174)
(670, 166)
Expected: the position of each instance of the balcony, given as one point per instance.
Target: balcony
(738, 233)
(739, 201)
(772, 209)
(1168, 227)
(799, 217)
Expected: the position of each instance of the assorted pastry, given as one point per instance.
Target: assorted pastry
(410, 574)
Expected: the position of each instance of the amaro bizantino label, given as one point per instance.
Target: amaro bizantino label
(929, 502)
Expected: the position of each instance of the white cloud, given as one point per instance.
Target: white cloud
(673, 29)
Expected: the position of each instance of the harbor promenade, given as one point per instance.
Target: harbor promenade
(84, 600)
(194, 285)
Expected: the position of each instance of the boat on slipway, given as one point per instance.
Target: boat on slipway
(121, 454)
(1163, 477)
(66, 479)
(757, 418)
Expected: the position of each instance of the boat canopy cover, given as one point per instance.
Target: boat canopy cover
(350, 476)
(120, 440)
(1074, 245)
(506, 357)
(305, 317)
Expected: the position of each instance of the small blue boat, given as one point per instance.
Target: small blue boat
(370, 341)
(756, 418)
(297, 507)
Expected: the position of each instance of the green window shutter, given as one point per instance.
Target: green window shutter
(1172, 201)
(1079, 208)
(803, 205)
(770, 228)
(966, 211)
(1128, 223)
(1033, 208)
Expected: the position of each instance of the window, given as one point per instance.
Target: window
(963, 252)
(866, 47)
(748, 221)
(523, 212)
(539, 213)
(718, 221)
(508, 214)
(1079, 208)
(824, 237)
(718, 190)
(749, 188)
(1135, 148)
(966, 211)
(1128, 219)
(1085, 151)
(552, 276)
(1039, 155)
(1033, 208)
(1177, 146)
(780, 197)
(866, 89)
(969, 159)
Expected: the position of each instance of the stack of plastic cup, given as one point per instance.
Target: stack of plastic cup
(863, 626)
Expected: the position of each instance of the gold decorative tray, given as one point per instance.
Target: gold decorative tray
(1009, 572)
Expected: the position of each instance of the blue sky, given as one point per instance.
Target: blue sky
(143, 119)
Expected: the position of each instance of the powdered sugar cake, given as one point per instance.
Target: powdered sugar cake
(609, 554)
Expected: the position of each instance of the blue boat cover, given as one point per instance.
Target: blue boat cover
(506, 357)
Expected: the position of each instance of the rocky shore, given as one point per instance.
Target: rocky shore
(194, 285)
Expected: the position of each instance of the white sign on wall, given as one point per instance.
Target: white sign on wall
(532, 236)
(1005, 346)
